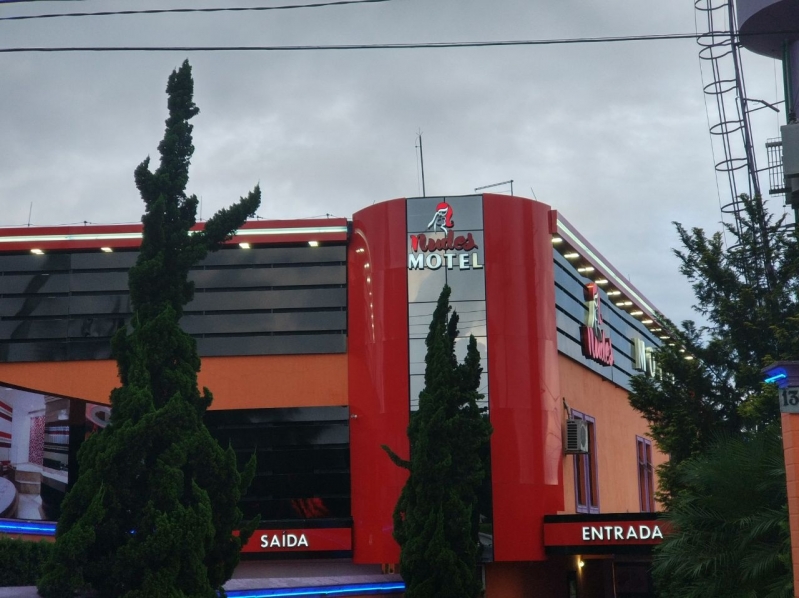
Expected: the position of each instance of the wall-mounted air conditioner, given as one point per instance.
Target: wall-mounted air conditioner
(576, 436)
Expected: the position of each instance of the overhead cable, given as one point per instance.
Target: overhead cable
(399, 46)
(158, 11)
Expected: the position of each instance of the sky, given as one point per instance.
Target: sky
(614, 136)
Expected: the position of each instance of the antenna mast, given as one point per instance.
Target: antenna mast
(421, 160)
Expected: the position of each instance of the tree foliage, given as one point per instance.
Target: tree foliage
(154, 508)
(711, 388)
(436, 518)
(733, 537)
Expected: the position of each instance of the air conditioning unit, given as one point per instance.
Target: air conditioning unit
(576, 437)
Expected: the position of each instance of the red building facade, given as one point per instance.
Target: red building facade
(311, 336)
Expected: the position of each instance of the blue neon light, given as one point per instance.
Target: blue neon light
(14, 526)
(776, 377)
(344, 590)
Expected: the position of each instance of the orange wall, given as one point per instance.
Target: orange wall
(236, 382)
(617, 425)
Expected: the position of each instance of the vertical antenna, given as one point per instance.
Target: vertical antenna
(30, 211)
(421, 159)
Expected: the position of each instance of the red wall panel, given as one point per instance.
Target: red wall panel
(525, 401)
(378, 374)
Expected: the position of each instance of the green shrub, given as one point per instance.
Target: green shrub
(22, 561)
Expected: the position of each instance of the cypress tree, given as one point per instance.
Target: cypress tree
(154, 508)
(436, 517)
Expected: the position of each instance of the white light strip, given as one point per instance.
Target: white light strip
(607, 269)
(247, 232)
(250, 232)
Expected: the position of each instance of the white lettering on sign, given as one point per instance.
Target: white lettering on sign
(448, 243)
(434, 261)
(603, 533)
(415, 261)
(644, 358)
(284, 540)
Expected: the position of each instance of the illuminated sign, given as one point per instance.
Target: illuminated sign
(300, 540)
(607, 533)
(594, 343)
(424, 250)
(644, 358)
(610, 530)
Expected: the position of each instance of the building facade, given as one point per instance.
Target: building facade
(311, 335)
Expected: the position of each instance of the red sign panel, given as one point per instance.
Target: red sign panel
(300, 540)
(605, 533)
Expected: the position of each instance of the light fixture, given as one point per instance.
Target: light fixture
(647, 321)
(655, 329)
(106, 249)
(556, 240)
(360, 250)
(601, 281)
(581, 563)
(37, 252)
(637, 312)
(614, 293)
(313, 243)
(624, 303)
(245, 245)
(664, 337)
(585, 269)
(571, 256)
(682, 350)
(689, 357)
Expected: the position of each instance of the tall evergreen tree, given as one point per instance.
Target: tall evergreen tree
(747, 291)
(436, 518)
(154, 508)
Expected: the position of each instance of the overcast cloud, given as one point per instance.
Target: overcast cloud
(614, 136)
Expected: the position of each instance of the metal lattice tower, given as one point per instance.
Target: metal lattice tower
(732, 129)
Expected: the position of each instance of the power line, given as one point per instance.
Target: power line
(401, 46)
(157, 11)
(21, 1)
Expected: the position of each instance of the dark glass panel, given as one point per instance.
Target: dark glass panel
(30, 284)
(269, 277)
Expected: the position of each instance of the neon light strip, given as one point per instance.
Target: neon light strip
(345, 590)
(608, 271)
(774, 378)
(249, 232)
(13, 526)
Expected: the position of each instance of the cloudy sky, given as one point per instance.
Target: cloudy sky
(612, 135)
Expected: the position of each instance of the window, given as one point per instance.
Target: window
(646, 475)
(586, 484)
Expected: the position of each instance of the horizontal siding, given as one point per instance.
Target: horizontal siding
(620, 326)
(261, 301)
